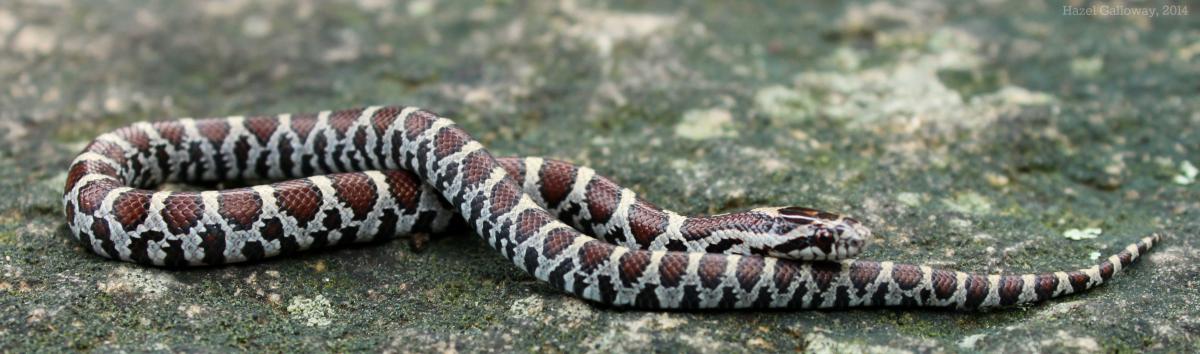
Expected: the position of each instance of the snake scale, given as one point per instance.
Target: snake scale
(371, 173)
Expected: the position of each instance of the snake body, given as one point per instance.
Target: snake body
(377, 172)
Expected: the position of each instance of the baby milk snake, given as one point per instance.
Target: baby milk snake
(381, 171)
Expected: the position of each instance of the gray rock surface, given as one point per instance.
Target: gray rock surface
(970, 136)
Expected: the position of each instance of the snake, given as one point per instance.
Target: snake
(373, 173)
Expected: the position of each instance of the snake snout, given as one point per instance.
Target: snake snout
(853, 238)
(855, 233)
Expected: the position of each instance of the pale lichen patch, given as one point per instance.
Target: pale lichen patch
(910, 199)
(783, 104)
(145, 282)
(564, 312)
(192, 311)
(1087, 67)
(819, 343)
(530, 307)
(1082, 234)
(704, 124)
(1063, 339)
(604, 29)
(968, 203)
(315, 312)
(1187, 173)
(968, 342)
(35, 40)
(37, 315)
(632, 333)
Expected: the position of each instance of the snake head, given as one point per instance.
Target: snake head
(811, 235)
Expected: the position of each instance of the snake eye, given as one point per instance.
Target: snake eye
(824, 236)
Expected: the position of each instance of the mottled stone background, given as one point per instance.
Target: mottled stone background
(971, 136)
